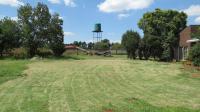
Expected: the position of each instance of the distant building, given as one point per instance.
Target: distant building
(70, 47)
(188, 38)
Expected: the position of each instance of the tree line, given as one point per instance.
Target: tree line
(35, 28)
(161, 35)
(105, 44)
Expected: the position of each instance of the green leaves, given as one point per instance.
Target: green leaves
(25, 14)
(40, 29)
(103, 45)
(9, 34)
(130, 41)
(165, 25)
(56, 36)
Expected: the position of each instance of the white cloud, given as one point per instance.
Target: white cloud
(70, 3)
(14, 18)
(13, 3)
(2, 16)
(55, 1)
(88, 41)
(121, 16)
(51, 11)
(68, 34)
(115, 41)
(193, 10)
(197, 20)
(60, 17)
(110, 6)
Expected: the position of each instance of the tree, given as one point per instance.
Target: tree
(34, 23)
(9, 35)
(106, 41)
(116, 46)
(76, 43)
(164, 26)
(90, 45)
(84, 45)
(196, 32)
(154, 45)
(130, 41)
(26, 26)
(41, 20)
(103, 45)
(141, 49)
(56, 40)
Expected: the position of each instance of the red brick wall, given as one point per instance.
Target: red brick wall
(184, 36)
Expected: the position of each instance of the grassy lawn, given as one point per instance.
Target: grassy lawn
(97, 85)
(11, 69)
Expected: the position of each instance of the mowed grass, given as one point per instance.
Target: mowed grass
(101, 85)
(11, 69)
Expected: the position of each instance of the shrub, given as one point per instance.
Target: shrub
(166, 55)
(58, 49)
(102, 46)
(195, 55)
(44, 52)
(19, 53)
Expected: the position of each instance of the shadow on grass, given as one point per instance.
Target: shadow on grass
(65, 58)
(7, 58)
(72, 57)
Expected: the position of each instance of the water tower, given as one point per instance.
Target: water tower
(97, 33)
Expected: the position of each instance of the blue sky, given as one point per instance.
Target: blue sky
(116, 16)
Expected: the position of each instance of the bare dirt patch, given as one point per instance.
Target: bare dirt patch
(109, 110)
(195, 75)
(189, 66)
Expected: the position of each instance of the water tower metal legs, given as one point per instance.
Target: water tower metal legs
(97, 37)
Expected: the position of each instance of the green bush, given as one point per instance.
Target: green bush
(58, 49)
(166, 55)
(19, 53)
(44, 52)
(195, 55)
(102, 46)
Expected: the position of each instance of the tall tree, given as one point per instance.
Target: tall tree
(130, 41)
(84, 45)
(9, 34)
(26, 26)
(41, 20)
(56, 40)
(34, 24)
(90, 45)
(165, 25)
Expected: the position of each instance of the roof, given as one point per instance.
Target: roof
(193, 40)
(70, 47)
(194, 25)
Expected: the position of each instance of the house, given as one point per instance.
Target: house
(188, 38)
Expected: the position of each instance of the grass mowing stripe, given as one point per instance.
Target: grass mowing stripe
(98, 85)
